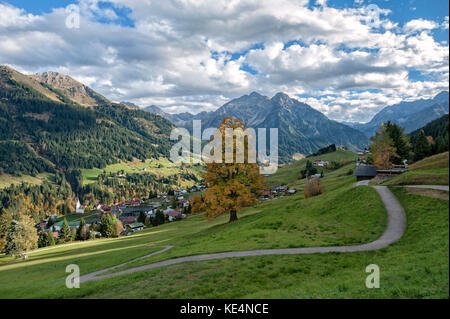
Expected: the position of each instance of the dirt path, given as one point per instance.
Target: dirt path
(395, 227)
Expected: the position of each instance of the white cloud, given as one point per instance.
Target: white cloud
(444, 24)
(180, 56)
(420, 24)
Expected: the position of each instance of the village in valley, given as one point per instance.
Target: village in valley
(173, 205)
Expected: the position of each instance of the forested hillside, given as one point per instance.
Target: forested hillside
(68, 134)
(430, 139)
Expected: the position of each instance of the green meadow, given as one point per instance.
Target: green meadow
(414, 267)
(160, 167)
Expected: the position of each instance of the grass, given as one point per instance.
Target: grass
(74, 217)
(288, 174)
(417, 266)
(160, 167)
(6, 180)
(432, 162)
(333, 218)
(431, 170)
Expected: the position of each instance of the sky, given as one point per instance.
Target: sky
(347, 59)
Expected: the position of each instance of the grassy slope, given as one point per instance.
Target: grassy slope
(288, 174)
(6, 180)
(415, 267)
(338, 217)
(432, 170)
(151, 165)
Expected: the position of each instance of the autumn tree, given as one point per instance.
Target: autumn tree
(118, 227)
(382, 148)
(232, 177)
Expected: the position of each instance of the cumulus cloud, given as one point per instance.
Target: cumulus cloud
(187, 55)
(420, 24)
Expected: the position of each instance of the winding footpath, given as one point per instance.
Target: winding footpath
(396, 224)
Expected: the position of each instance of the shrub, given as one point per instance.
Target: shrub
(313, 188)
(118, 227)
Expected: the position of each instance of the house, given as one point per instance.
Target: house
(320, 163)
(265, 194)
(103, 208)
(293, 191)
(134, 202)
(79, 209)
(135, 211)
(180, 191)
(127, 220)
(162, 195)
(365, 172)
(155, 204)
(193, 189)
(72, 224)
(180, 197)
(172, 214)
(134, 227)
(184, 202)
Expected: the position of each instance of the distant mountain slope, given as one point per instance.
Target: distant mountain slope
(69, 135)
(410, 115)
(301, 129)
(180, 119)
(70, 88)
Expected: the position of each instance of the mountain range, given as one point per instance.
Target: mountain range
(57, 122)
(410, 115)
(301, 129)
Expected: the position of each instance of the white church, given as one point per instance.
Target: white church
(79, 209)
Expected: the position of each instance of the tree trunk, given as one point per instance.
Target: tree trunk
(233, 215)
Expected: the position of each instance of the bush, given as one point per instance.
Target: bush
(118, 226)
(313, 188)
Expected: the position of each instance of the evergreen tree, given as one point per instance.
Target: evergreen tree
(141, 218)
(50, 222)
(42, 242)
(400, 142)
(73, 234)
(82, 231)
(50, 239)
(107, 228)
(12, 246)
(159, 218)
(22, 236)
(422, 147)
(65, 233)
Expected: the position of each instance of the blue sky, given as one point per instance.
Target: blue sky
(196, 56)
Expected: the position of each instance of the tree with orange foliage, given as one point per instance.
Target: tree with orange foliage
(235, 182)
(382, 148)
